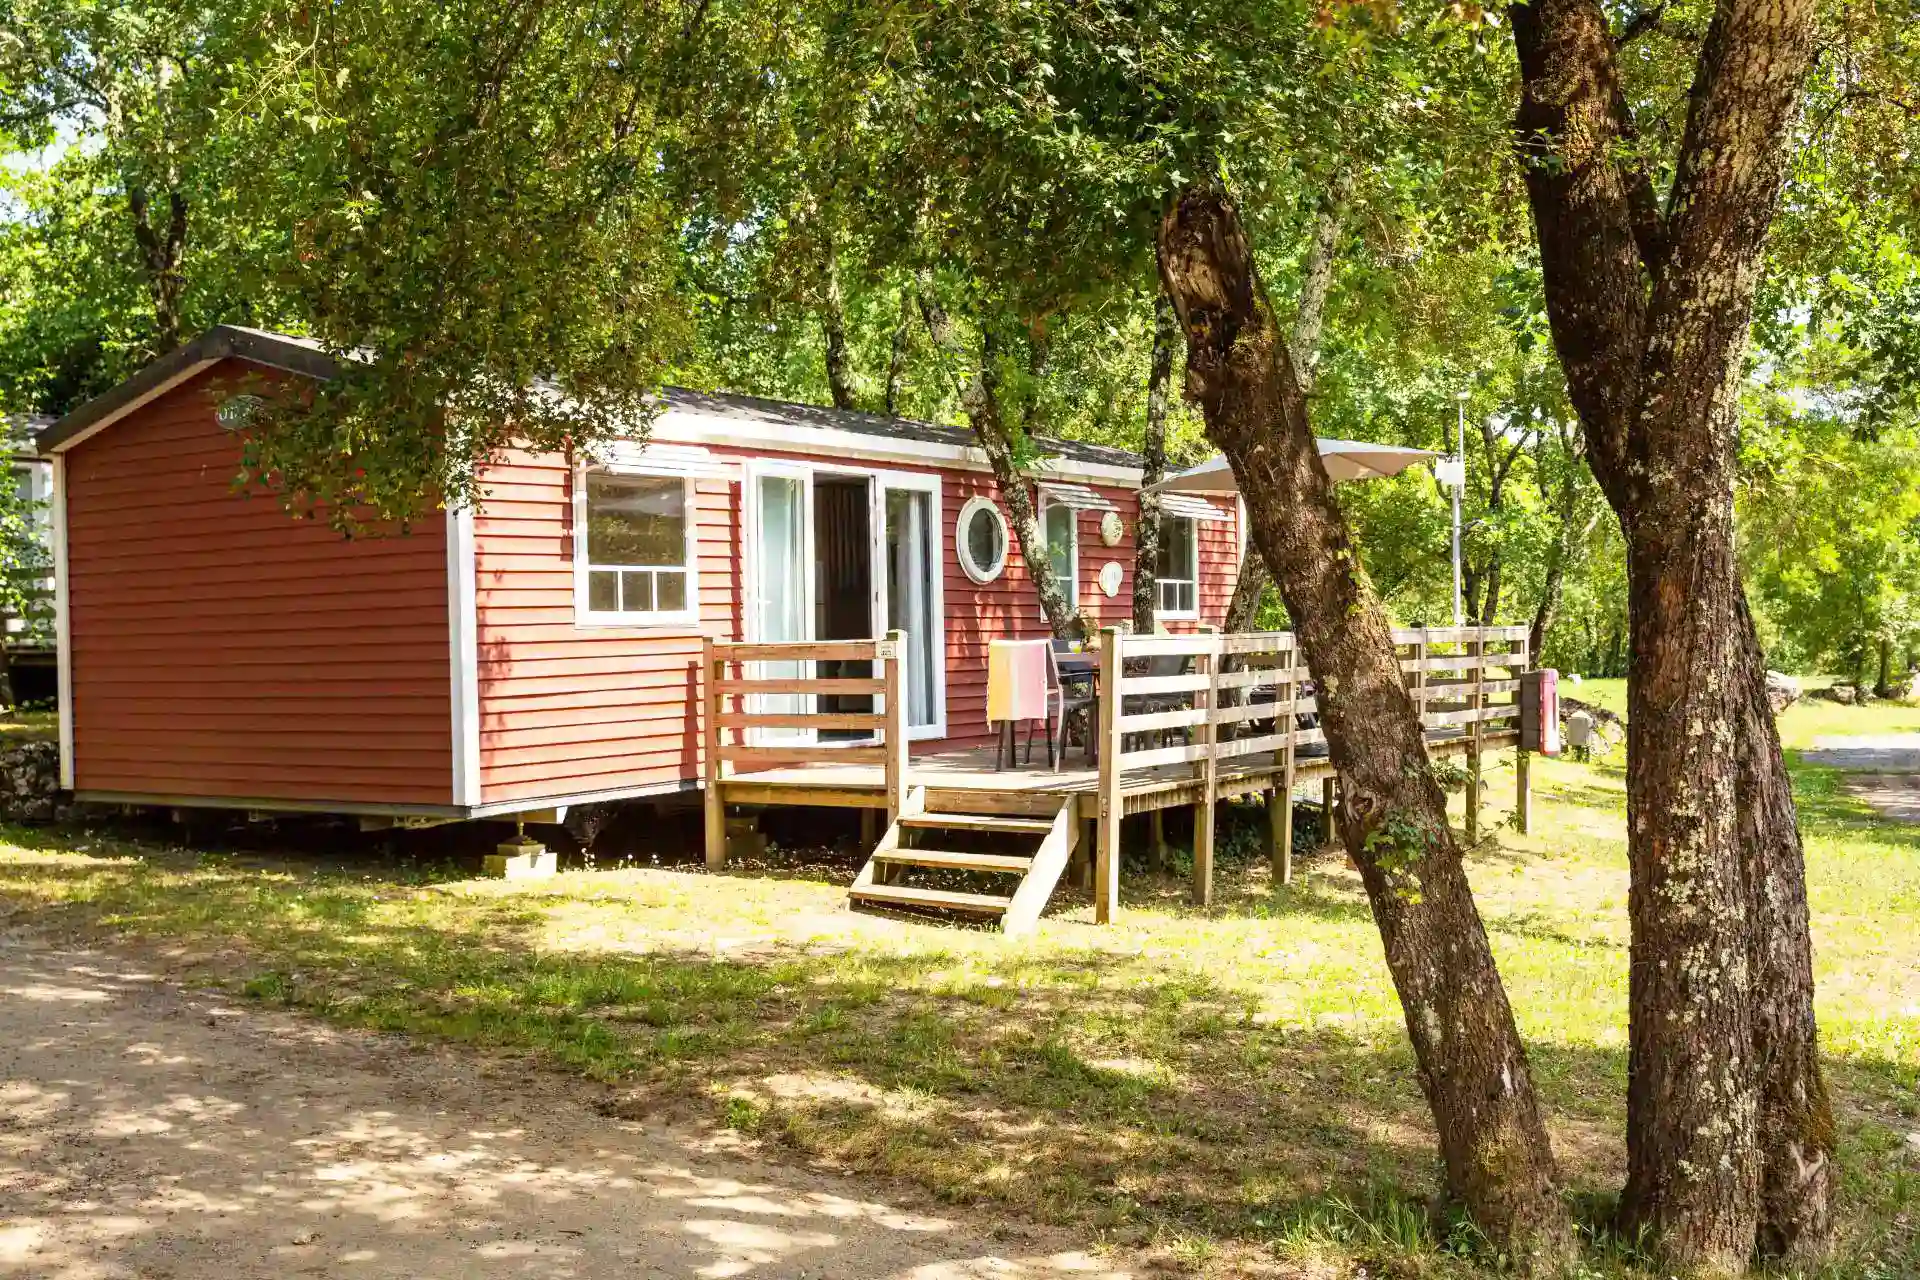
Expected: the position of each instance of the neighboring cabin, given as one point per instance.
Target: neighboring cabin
(215, 651)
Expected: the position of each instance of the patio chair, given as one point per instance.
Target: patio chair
(1067, 695)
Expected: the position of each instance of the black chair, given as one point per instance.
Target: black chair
(1068, 693)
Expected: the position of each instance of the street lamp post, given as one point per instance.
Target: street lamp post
(1459, 483)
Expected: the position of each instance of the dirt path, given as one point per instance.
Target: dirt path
(151, 1131)
(1882, 769)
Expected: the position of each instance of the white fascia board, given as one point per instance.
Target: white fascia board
(694, 427)
(154, 393)
(63, 620)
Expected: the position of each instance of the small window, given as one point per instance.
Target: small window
(981, 538)
(636, 564)
(1063, 548)
(1178, 573)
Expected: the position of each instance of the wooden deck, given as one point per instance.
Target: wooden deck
(1182, 721)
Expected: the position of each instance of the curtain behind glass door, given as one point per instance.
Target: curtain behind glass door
(910, 568)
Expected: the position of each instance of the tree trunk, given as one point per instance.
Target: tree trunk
(981, 400)
(1692, 1160)
(833, 318)
(1472, 1065)
(1303, 345)
(1883, 679)
(1796, 1118)
(897, 362)
(1653, 372)
(162, 249)
(1153, 455)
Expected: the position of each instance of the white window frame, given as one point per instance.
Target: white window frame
(1193, 540)
(977, 574)
(654, 619)
(1072, 585)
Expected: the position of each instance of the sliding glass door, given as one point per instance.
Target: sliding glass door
(911, 551)
(781, 609)
(791, 589)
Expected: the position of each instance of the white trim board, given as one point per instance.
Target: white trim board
(463, 643)
(691, 426)
(63, 619)
(192, 371)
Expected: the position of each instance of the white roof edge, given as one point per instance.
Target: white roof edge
(691, 426)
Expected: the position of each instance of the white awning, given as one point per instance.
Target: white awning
(670, 459)
(1191, 508)
(1077, 496)
(1344, 459)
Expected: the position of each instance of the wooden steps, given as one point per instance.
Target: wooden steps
(906, 896)
(975, 822)
(881, 881)
(955, 861)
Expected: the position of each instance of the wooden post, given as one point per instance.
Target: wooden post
(1209, 664)
(1476, 652)
(1106, 869)
(1157, 838)
(1522, 758)
(893, 672)
(1417, 681)
(716, 816)
(1280, 843)
(1329, 807)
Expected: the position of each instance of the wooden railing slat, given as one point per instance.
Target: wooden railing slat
(802, 720)
(802, 684)
(796, 650)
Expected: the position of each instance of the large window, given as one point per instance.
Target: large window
(635, 564)
(1063, 548)
(1178, 573)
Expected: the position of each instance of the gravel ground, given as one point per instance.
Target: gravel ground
(152, 1130)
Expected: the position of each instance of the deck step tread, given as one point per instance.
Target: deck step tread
(976, 822)
(903, 895)
(956, 860)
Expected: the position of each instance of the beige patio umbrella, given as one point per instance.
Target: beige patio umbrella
(1344, 459)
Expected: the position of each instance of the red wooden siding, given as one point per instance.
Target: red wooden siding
(572, 711)
(222, 650)
(566, 710)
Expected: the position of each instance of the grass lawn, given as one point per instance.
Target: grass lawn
(1229, 1085)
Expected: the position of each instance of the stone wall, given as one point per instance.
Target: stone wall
(30, 782)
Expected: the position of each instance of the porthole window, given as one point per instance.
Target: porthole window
(981, 537)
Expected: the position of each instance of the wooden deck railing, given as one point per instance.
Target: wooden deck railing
(735, 679)
(1232, 697)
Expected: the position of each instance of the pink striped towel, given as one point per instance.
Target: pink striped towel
(1016, 680)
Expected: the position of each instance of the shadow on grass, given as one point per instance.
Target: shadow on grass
(1107, 1090)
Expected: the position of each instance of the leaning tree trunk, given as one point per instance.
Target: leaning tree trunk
(1472, 1065)
(1153, 466)
(1303, 345)
(1796, 1118)
(981, 401)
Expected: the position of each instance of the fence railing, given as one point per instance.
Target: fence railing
(763, 711)
(1218, 701)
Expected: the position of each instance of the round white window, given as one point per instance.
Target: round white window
(981, 537)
